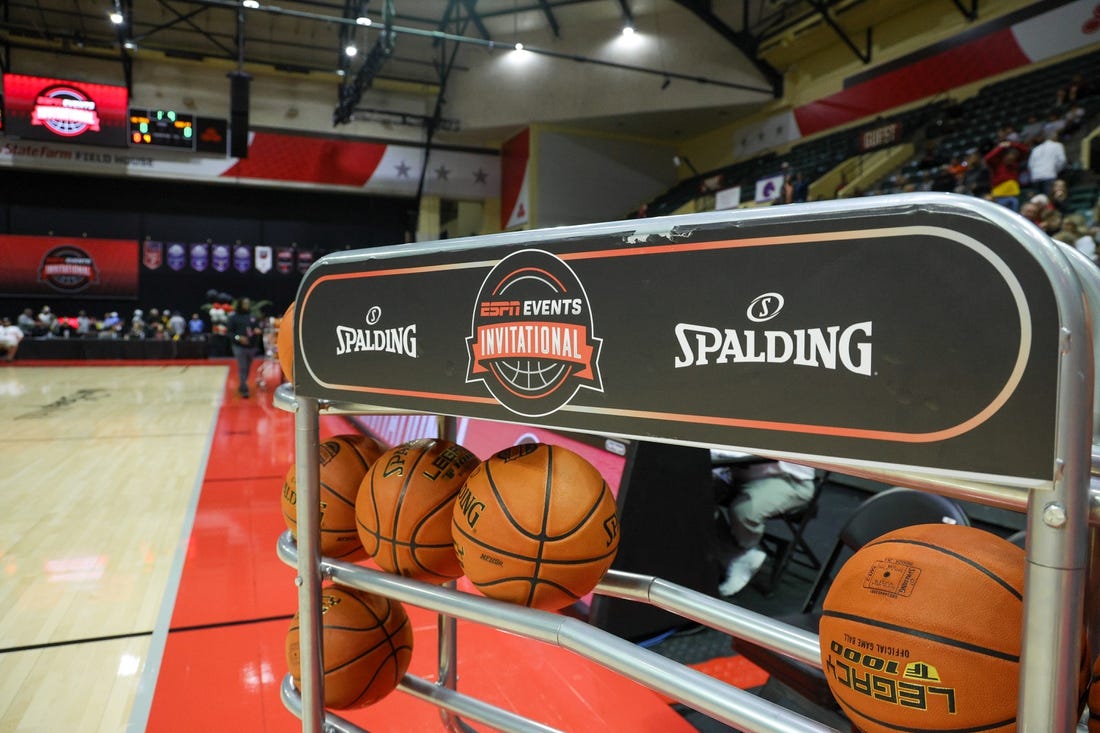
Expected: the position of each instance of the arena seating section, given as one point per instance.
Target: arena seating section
(952, 126)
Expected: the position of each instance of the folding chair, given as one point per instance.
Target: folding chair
(881, 513)
(784, 547)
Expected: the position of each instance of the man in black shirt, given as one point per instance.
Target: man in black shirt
(244, 333)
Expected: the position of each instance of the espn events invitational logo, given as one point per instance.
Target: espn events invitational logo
(532, 341)
(65, 110)
(68, 268)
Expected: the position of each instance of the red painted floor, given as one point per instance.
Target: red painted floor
(224, 658)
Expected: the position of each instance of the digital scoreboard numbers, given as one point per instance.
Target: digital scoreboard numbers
(162, 128)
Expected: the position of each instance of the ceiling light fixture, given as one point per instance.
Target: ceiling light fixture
(628, 30)
(362, 20)
(350, 51)
(116, 17)
(519, 46)
(253, 4)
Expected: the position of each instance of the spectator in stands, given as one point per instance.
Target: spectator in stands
(1005, 162)
(84, 324)
(27, 323)
(1032, 132)
(1059, 194)
(1054, 125)
(1046, 161)
(111, 327)
(1033, 212)
(1051, 221)
(1071, 93)
(1077, 233)
(800, 188)
(10, 336)
(176, 326)
(47, 320)
(945, 180)
(195, 327)
(974, 175)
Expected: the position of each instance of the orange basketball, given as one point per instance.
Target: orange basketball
(284, 343)
(404, 507)
(921, 630)
(367, 644)
(344, 461)
(536, 525)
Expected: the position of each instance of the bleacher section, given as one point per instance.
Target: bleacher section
(939, 130)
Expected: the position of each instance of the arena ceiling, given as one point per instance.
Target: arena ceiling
(415, 42)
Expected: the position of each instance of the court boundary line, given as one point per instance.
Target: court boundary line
(147, 684)
(70, 642)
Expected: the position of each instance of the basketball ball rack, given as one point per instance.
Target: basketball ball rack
(933, 341)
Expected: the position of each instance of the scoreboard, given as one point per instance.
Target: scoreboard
(162, 128)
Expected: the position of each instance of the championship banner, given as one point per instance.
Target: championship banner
(242, 258)
(853, 334)
(62, 266)
(305, 260)
(177, 256)
(219, 257)
(284, 261)
(200, 256)
(152, 254)
(263, 258)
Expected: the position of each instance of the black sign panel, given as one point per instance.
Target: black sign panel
(922, 337)
(162, 128)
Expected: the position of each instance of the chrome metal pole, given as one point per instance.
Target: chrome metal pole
(1057, 536)
(307, 475)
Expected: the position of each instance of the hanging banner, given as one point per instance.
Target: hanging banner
(515, 208)
(177, 256)
(263, 258)
(219, 257)
(152, 254)
(284, 261)
(305, 260)
(200, 256)
(242, 258)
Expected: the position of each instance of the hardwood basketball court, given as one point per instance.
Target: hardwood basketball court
(141, 587)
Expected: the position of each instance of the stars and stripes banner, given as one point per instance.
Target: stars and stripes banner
(290, 159)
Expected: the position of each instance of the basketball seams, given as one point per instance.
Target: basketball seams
(423, 448)
(503, 506)
(962, 558)
(926, 635)
(541, 547)
(527, 558)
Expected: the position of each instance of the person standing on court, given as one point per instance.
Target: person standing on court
(244, 331)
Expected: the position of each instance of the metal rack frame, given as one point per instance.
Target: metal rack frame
(1058, 564)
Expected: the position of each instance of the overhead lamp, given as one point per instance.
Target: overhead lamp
(116, 17)
(628, 30)
(129, 45)
(253, 4)
(362, 20)
(519, 46)
(350, 51)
